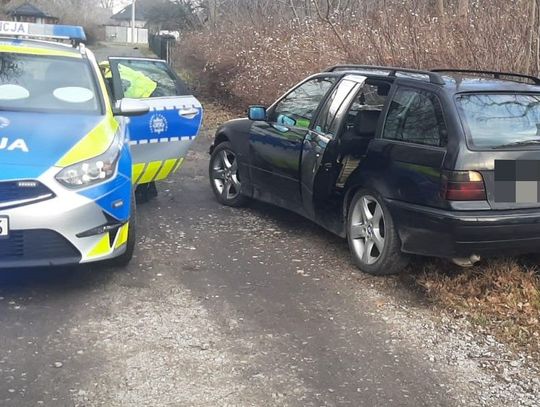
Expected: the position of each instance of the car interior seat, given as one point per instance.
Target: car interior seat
(357, 135)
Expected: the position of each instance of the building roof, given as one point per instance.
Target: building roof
(125, 14)
(28, 10)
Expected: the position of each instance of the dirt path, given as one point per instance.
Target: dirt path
(236, 307)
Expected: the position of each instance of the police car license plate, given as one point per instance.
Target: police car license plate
(4, 226)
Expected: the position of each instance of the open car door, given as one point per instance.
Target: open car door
(319, 167)
(161, 138)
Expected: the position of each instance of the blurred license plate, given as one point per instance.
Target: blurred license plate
(4, 226)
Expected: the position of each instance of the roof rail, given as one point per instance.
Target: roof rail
(44, 31)
(392, 71)
(496, 75)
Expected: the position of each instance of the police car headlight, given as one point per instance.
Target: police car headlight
(94, 170)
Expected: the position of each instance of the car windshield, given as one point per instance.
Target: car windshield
(47, 84)
(501, 120)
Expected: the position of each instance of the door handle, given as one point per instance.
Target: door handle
(189, 113)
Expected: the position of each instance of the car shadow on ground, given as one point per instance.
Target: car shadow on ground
(406, 286)
(292, 222)
(54, 279)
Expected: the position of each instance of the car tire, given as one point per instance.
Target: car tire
(144, 193)
(224, 176)
(373, 240)
(125, 258)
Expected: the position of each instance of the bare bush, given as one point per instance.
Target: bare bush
(256, 49)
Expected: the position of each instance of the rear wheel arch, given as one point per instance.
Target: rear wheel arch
(358, 180)
(355, 183)
(351, 190)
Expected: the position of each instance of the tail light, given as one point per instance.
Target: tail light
(463, 186)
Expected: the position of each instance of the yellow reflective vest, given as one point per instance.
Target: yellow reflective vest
(140, 85)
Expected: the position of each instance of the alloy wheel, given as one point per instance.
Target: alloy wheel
(367, 229)
(225, 175)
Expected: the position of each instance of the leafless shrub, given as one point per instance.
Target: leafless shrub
(256, 50)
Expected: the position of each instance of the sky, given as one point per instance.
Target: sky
(120, 4)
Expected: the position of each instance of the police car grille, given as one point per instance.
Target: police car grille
(36, 245)
(20, 193)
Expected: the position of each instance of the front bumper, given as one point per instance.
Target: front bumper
(37, 248)
(48, 233)
(455, 234)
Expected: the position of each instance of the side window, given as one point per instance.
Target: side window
(363, 115)
(415, 116)
(327, 116)
(299, 106)
(146, 78)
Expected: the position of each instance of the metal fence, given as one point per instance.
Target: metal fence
(162, 45)
(123, 34)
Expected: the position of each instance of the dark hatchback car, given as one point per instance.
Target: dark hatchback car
(442, 163)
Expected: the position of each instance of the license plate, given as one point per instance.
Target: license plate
(4, 226)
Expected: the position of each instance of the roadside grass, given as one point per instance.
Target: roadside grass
(501, 297)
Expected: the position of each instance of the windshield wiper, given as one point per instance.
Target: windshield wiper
(519, 143)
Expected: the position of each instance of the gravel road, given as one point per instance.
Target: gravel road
(238, 307)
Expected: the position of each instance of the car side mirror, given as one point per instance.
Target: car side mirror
(257, 113)
(130, 107)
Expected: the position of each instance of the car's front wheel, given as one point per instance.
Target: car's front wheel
(224, 176)
(373, 239)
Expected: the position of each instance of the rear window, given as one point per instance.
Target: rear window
(495, 121)
(47, 84)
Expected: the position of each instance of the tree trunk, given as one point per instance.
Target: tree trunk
(537, 38)
(532, 29)
(212, 12)
(295, 13)
(463, 9)
(440, 8)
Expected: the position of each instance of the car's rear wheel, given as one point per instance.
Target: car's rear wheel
(224, 176)
(373, 240)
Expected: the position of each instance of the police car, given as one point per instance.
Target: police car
(73, 147)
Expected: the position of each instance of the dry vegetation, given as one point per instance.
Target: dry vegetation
(253, 54)
(502, 297)
(250, 52)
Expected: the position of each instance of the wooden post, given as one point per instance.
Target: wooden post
(532, 29)
(537, 41)
(463, 9)
(212, 12)
(440, 8)
(133, 21)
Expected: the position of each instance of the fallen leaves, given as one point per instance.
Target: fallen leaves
(500, 296)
